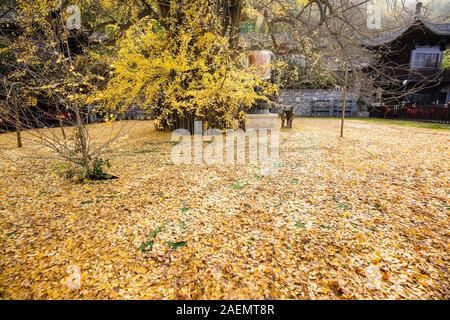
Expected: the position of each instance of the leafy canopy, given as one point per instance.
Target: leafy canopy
(183, 69)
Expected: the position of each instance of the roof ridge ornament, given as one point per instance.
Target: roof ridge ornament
(418, 10)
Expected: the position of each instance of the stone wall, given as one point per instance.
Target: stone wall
(302, 99)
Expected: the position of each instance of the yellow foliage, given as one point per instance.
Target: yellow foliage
(176, 72)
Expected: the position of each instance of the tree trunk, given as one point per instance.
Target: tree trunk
(82, 133)
(344, 102)
(82, 136)
(17, 124)
(61, 123)
(235, 15)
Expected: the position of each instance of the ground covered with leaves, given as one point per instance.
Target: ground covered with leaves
(362, 217)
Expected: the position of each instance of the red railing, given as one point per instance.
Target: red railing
(438, 114)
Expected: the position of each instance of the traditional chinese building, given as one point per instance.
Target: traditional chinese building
(412, 77)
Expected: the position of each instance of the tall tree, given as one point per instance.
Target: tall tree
(182, 68)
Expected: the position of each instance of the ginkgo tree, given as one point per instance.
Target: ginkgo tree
(172, 57)
(182, 69)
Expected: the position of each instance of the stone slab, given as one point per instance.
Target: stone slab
(262, 121)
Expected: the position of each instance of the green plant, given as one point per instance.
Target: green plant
(145, 151)
(69, 171)
(238, 185)
(146, 246)
(343, 206)
(446, 60)
(77, 173)
(155, 232)
(97, 172)
(174, 245)
(11, 234)
(300, 224)
(184, 209)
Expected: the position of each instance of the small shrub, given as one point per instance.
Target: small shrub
(98, 172)
(70, 171)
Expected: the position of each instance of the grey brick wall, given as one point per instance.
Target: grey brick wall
(301, 99)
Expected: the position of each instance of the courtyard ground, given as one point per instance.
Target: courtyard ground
(364, 217)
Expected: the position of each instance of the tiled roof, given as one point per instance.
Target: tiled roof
(384, 38)
(438, 28)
